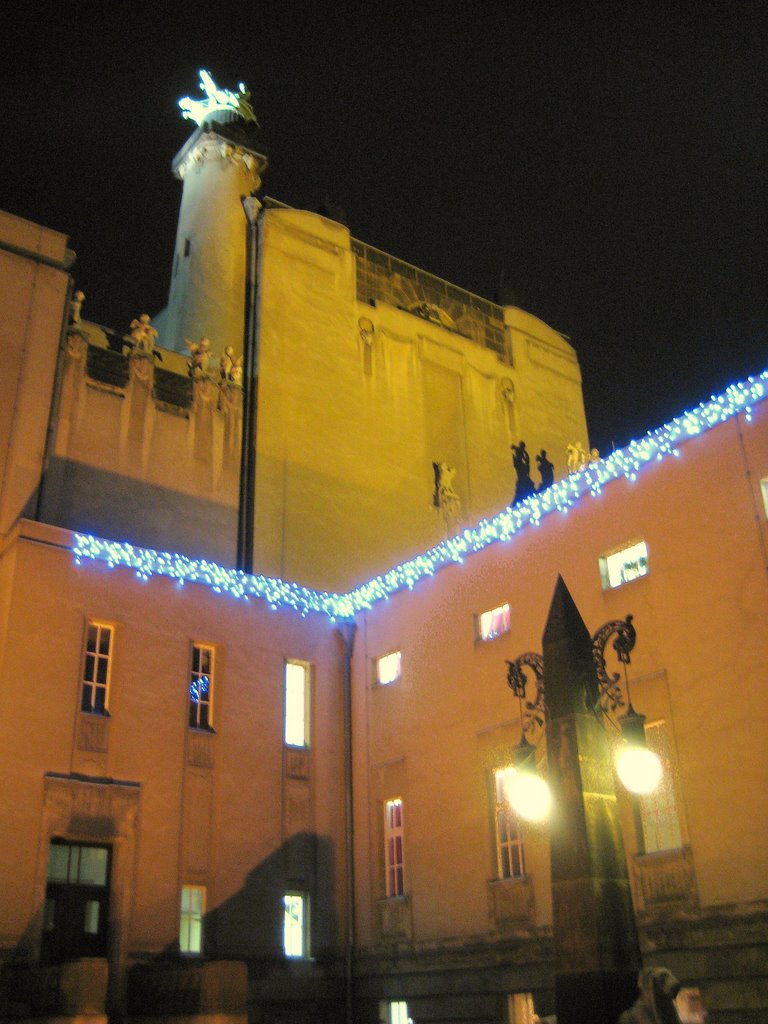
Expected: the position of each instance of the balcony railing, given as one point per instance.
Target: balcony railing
(382, 278)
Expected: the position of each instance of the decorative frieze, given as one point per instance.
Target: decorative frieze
(200, 748)
(665, 881)
(511, 903)
(93, 733)
(395, 919)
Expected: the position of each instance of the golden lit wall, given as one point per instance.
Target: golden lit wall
(356, 401)
(34, 296)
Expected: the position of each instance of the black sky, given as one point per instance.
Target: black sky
(606, 162)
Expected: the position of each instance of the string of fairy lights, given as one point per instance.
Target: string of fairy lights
(625, 463)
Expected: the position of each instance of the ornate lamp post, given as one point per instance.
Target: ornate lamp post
(594, 931)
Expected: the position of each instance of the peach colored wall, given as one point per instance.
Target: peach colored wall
(701, 616)
(237, 845)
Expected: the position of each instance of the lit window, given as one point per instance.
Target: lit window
(201, 688)
(510, 860)
(764, 488)
(661, 821)
(493, 623)
(191, 921)
(624, 566)
(520, 1008)
(690, 1007)
(296, 704)
(388, 668)
(97, 664)
(295, 925)
(393, 1012)
(393, 847)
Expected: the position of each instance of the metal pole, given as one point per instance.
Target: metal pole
(246, 511)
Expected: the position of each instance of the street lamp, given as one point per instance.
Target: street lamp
(638, 768)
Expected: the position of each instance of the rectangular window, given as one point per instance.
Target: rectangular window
(97, 665)
(296, 925)
(191, 921)
(201, 687)
(393, 847)
(510, 860)
(393, 1012)
(764, 489)
(661, 821)
(520, 1008)
(690, 1006)
(388, 668)
(493, 623)
(296, 704)
(619, 567)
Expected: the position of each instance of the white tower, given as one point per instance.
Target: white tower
(217, 165)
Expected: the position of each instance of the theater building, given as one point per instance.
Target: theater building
(256, 717)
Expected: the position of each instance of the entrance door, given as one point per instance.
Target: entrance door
(76, 902)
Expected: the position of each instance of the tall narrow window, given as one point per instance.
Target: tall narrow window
(661, 820)
(296, 704)
(393, 847)
(510, 859)
(393, 1011)
(201, 687)
(296, 925)
(492, 623)
(191, 920)
(97, 665)
(520, 1008)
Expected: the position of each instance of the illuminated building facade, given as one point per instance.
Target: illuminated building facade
(204, 769)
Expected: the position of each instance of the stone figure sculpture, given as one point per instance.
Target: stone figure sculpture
(578, 458)
(226, 363)
(445, 496)
(201, 355)
(143, 336)
(75, 305)
(521, 461)
(546, 470)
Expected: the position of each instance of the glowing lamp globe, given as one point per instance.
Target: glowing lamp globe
(639, 769)
(528, 795)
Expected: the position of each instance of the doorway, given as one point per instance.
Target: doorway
(76, 911)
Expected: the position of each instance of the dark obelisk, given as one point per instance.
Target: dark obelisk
(596, 947)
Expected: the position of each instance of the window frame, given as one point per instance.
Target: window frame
(191, 917)
(660, 810)
(93, 684)
(394, 844)
(290, 733)
(393, 1011)
(304, 926)
(513, 844)
(483, 637)
(641, 560)
(194, 706)
(383, 658)
(764, 492)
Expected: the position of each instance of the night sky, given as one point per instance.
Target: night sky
(604, 166)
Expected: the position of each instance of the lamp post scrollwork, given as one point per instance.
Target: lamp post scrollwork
(637, 767)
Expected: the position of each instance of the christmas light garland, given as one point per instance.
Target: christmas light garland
(560, 497)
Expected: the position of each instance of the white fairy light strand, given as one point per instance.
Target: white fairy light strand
(627, 462)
